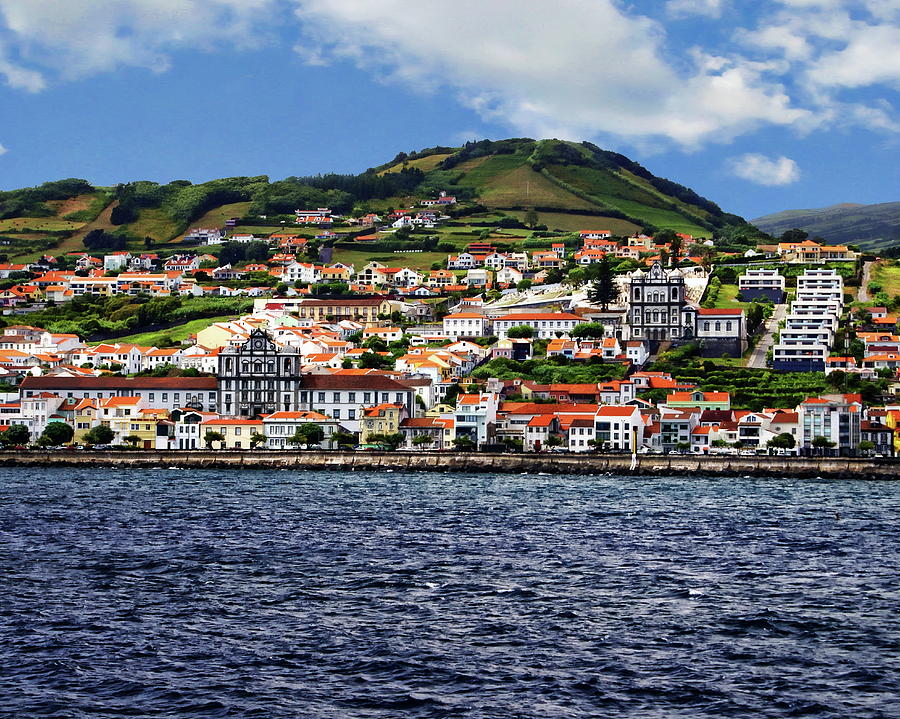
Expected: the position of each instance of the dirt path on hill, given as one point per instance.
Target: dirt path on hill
(757, 358)
(102, 222)
(863, 294)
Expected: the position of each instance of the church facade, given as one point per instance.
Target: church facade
(658, 311)
(258, 377)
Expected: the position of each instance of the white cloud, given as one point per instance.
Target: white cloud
(574, 68)
(76, 38)
(765, 170)
(3, 150)
(686, 8)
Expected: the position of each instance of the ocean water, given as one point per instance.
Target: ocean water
(179, 593)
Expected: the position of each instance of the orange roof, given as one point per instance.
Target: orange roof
(615, 411)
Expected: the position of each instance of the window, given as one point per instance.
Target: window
(351, 397)
(337, 414)
(321, 396)
(351, 414)
(336, 397)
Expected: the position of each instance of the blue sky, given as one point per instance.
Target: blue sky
(760, 106)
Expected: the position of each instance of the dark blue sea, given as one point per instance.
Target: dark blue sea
(179, 593)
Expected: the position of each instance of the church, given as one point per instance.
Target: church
(658, 311)
(257, 377)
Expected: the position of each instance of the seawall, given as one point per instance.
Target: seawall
(645, 465)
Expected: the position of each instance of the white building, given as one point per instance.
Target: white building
(465, 324)
(546, 325)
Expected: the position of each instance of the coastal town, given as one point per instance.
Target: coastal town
(573, 347)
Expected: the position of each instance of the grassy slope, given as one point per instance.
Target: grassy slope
(181, 332)
(218, 216)
(574, 223)
(413, 260)
(425, 164)
(888, 276)
(151, 222)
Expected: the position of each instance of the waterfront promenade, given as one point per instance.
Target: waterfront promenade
(547, 463)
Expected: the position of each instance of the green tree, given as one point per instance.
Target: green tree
(520, 332)
(15, 435)
(822, 442)
(391, 440)
(133, 440)
(211, 437)
(101, 434)
(373, 360)
(865, 446)
(463, 444)
(523, 285)
(420, 440)
(531, 218)
(554, 440)
(256, 439)
(603, 290)
(588, 330)
(56, 433)
(785, 440)
(343, 439)
(307, 434)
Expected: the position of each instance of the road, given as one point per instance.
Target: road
(863, 295)
(770, 331)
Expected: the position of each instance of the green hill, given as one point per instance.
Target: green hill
(558, 176)
(570, 185)
(871, 227)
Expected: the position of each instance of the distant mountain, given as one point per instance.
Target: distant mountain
(872, 227)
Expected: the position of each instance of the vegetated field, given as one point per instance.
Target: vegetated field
(101, 222)
(887, 274)
(575, 223)
(88, 205)
(177, 333)
(727, 299)
(38, 224)
(217, 216)
(413, 260)
(152, 222)
(425, 164)
(265, 231)
(523, 187)
(627, 195)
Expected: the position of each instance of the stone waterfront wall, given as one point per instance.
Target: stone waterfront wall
(645, 465)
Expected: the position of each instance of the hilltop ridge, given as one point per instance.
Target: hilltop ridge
(571, 185)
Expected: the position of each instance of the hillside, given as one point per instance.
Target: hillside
(569, 185)
(872, 227)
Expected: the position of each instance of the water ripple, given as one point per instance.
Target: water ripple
(241, 594)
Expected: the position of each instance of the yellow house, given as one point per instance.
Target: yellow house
(122, 415)
(145, 426)
(85, 418)
(236, 432)
(380, 419)
(892, 420)
(219, 334)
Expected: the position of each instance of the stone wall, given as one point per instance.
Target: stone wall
(643, 465)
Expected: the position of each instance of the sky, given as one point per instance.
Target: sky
(760, 105)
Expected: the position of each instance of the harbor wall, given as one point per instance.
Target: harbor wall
(475, 462)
